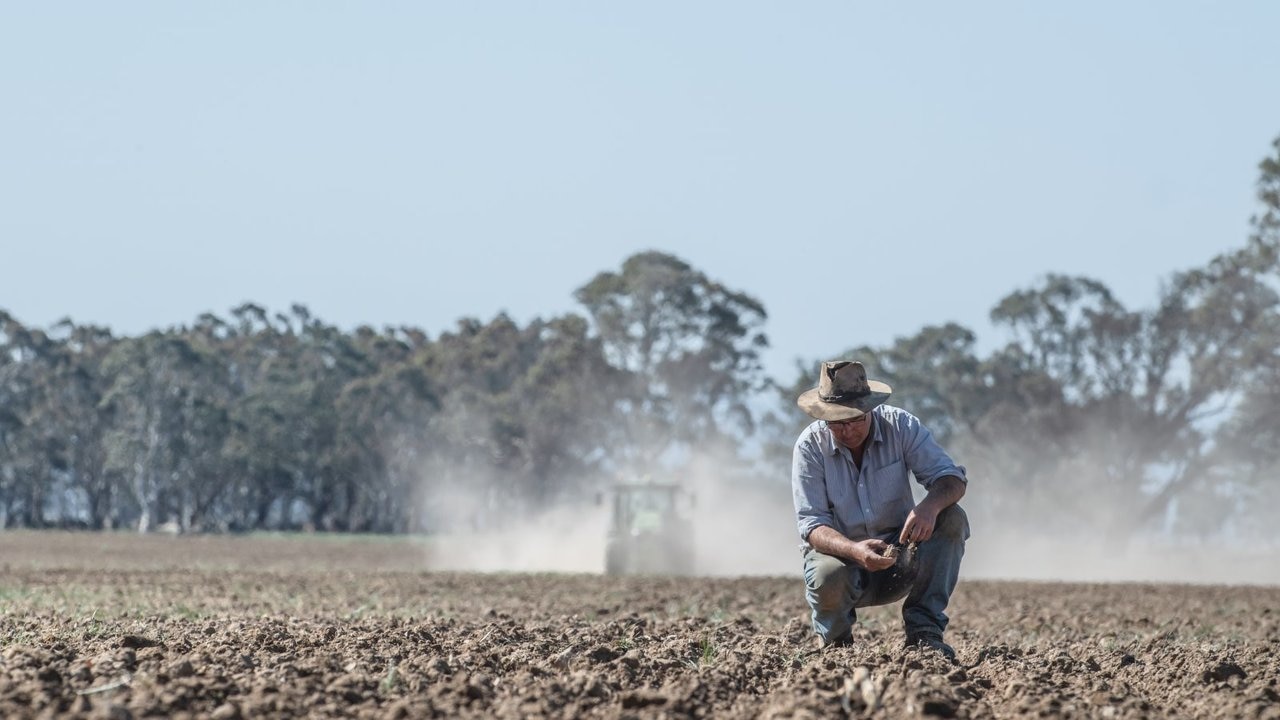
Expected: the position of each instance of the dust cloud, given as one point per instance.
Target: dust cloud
(1007, 556)
(568, 538)
(739, 528)
(747, 528)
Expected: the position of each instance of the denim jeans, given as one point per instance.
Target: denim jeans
(834, 587)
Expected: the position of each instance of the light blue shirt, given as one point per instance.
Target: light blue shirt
(871, 501)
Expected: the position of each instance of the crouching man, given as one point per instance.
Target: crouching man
(866, 542)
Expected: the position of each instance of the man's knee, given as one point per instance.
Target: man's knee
(828, 579)
(952, 525)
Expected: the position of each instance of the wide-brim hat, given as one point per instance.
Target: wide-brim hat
(843, 392)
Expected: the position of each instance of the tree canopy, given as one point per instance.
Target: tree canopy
(1166, 417)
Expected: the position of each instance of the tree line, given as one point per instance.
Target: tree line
(1128, 419)
(267, 420)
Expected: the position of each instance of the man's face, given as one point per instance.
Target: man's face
(851, 433)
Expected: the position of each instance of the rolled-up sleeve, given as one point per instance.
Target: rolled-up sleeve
(925, 458)
(809, 487)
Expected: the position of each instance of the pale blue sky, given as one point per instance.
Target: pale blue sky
(391, 163)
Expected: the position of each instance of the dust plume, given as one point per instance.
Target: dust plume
(1010, 556)
(1067, 527)
(741, 526)
(1081, 519)
(747, 528)
(566, 538)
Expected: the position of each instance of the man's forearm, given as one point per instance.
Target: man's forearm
(829, 541)
(945, 492)
(867, 554)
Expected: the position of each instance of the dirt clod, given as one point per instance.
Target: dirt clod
(1223, 671)
(137, 642)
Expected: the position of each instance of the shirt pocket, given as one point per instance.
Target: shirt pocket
(891, 493)
(841, 494)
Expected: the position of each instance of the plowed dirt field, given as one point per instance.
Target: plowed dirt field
(115, 626)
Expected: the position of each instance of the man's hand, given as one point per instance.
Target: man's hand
(870, 554)
(945, 492)
(919, 524)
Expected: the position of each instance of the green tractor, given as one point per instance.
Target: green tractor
(650, 532)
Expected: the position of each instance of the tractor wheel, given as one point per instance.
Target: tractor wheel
(615, 559)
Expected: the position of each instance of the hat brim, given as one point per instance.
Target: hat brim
(815, 407)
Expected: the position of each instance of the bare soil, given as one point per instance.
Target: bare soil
(114, 626)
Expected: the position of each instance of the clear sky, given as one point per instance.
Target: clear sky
(864, 169)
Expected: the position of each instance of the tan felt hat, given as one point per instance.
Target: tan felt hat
(843, 392)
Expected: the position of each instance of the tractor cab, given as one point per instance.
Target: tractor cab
(650, 530)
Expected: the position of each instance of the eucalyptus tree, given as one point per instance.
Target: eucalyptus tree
(76, 414)
(382, 416)
(14, 397)
(471, 454)
(167, 420)
(526, 415)
(263, 477)
(1145, 392)
(315, 363)
(1248, 453)
(27, 452)
(690, 348)
(565, 410)
(1149, 395)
